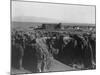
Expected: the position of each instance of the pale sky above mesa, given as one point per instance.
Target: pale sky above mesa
(56, 12)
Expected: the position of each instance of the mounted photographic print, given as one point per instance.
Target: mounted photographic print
(52, 37)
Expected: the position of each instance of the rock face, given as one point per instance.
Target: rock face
(48, 52)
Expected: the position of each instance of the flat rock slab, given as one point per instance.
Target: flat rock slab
(58, 66)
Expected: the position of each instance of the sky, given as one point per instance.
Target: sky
(54, 12)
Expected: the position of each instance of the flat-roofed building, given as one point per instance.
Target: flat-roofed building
(51, 26)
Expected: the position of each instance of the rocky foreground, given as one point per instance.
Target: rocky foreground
(55, 66)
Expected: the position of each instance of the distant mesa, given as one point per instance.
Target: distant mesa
(35, 19)
(44, 20)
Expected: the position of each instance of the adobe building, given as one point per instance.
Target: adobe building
(51, 26)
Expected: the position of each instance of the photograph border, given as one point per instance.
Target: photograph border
(47, 3)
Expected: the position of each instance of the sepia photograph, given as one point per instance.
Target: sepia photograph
(52, 37)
